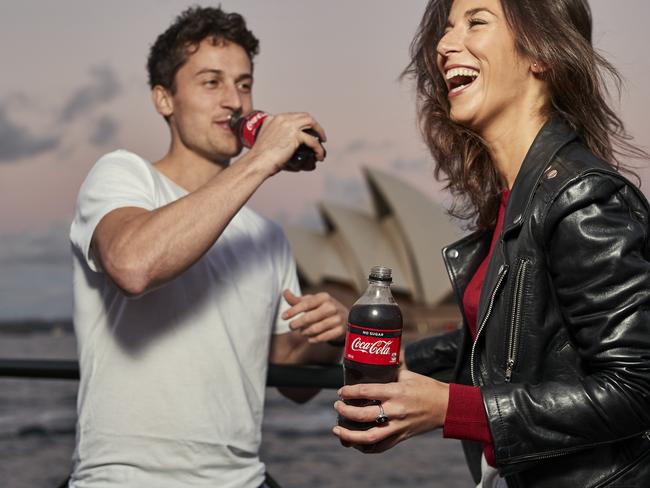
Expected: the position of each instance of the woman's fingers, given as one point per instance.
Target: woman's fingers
(369, 391)
(373, 435)
(359, 414)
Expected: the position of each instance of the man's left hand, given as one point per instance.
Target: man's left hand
(319, 317)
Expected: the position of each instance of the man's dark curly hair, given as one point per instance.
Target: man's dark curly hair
(172, 48)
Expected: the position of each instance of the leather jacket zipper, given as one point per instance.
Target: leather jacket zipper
(515, 323)
(570, 450)
(503, 271)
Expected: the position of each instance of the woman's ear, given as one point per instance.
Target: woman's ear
(162, 100)
(538, 67)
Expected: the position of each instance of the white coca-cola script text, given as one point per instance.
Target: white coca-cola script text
(372, 347)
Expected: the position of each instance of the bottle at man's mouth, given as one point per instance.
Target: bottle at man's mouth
(246, 127)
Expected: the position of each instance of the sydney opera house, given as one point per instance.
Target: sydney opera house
(405, 231)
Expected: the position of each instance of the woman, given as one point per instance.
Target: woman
(551, 369)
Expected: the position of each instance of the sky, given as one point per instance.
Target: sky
(74, 87)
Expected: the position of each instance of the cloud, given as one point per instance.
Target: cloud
(103, 88)
(104, 131)
(17, 142)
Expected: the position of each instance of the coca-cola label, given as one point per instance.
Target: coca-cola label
(251, 125)
(372, 346)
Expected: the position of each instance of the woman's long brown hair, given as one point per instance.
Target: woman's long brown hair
(554, 33)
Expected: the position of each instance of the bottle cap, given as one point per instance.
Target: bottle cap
(381, 273)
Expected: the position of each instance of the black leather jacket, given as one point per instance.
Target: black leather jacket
(563, 347)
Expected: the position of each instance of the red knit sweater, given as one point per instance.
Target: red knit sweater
(466, 418)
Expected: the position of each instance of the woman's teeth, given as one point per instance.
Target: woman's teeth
(460, 78)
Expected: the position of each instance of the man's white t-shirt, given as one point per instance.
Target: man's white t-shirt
(172, 382)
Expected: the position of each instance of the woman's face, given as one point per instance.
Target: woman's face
(487, 79)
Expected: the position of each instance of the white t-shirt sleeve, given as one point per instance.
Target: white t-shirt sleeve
(119, 179)
(289, 280)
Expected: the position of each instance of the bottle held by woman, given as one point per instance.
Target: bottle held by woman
(372, 344)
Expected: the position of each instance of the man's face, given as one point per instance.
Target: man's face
(215, 82)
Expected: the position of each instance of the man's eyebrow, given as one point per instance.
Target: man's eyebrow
(218, 72)
(213, 71)
(244, 77)
(469, 13)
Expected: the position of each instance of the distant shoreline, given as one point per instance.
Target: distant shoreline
(30, 326)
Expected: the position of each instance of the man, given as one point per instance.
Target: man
(178, 285)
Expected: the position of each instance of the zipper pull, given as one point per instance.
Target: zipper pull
(509, 367)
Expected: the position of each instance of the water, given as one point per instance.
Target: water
(37, 419)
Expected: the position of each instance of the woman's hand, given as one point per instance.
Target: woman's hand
(414, 404)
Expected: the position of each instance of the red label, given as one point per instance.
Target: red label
(250, 127)
(372, 346)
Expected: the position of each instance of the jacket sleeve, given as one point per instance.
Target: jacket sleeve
(434, 356)
(598, 265)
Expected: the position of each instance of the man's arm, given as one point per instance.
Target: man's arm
(318, 319)
(141, 249)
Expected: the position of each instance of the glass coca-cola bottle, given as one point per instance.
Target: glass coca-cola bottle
(246, 128)
(372, 342)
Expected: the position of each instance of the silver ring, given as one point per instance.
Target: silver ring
(382, 418)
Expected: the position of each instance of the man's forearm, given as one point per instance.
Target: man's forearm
(149, 248)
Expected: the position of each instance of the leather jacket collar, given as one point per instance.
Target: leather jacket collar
(554, 135)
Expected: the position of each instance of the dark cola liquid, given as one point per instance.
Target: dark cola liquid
(381, 317)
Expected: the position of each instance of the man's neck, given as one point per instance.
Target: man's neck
(188, 169)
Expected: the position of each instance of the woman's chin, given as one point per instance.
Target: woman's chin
(461, 117)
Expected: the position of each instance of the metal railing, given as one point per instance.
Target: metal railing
(317, 376)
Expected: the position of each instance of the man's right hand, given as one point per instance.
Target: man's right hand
(279, 138)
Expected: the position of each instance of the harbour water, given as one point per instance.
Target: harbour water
(37, 419)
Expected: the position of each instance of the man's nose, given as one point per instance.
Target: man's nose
(232, 98)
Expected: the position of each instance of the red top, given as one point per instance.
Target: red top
(466, 418)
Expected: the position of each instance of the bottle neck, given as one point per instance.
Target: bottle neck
(377, 292)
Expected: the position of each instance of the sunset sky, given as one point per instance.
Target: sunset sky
(73, 87)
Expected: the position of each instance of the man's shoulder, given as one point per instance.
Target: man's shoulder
(119, 166)
(121, 157)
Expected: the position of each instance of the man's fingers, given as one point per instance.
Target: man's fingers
(314, 310)
(313, 142)
(290, 297)
(332, 333)
(298, 304)
(315, 322)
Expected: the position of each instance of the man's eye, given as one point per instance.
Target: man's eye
(211, 83)
(245, 87)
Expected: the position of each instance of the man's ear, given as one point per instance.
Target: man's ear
(162, 100)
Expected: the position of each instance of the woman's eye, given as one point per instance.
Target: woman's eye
(474, 22)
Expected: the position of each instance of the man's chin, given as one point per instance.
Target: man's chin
(223, 158)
